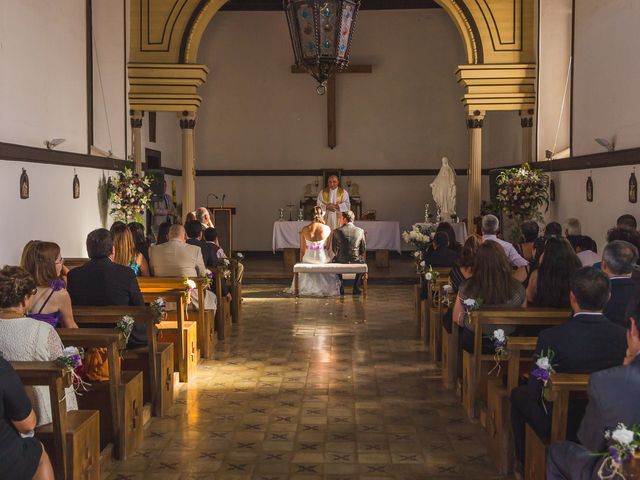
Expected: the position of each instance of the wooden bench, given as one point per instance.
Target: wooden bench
(498, 424)
(108, 317)
(433, 312)
(475, 366)
(236, 293)
(561, 387)
(121, 396)
(72, 439)
(417, 292)
(450, 348)
(335, 268)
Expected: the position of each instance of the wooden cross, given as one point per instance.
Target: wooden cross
(331, 97)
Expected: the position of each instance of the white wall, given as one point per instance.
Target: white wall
(406, 115)
(606, 94)
(610, 199)
(43, 73)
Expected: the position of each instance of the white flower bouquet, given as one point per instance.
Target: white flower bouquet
(420, 235)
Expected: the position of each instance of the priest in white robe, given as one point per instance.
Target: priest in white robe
(333, 200)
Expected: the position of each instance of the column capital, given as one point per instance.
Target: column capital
(187, 120)
(135, 117)
(476, 119)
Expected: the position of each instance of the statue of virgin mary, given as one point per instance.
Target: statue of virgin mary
(443, 190)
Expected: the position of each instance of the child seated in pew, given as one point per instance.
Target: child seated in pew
(23, 339)
(21, 454)
(587, 343)
(494, 285)
(613, 399)
(51, 302)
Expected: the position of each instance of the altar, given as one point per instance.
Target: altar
(382, 237)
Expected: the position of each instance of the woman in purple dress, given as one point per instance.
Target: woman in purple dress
(51, 302)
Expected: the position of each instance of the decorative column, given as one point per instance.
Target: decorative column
(474, 125)
(187, 124)
(526, 122)
(135, 117)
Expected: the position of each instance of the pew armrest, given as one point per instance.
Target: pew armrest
(560, 388)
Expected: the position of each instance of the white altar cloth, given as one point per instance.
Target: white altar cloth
(379, 235)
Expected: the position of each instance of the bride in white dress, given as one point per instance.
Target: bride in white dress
(315, 241)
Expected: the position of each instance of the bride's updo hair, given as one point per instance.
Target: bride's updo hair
(15, 285)
(318, 215)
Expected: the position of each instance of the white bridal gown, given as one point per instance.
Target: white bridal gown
(317, 284)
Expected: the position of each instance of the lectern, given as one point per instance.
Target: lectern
(222, 217)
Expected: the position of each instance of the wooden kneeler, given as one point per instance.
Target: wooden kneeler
(72, 439)
(475, 366)
(142, 358)
(498, 425)
(561, 386)
(119, 399)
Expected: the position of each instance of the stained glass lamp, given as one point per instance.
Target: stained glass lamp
(321, 33)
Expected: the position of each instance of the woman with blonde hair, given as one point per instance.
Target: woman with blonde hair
(125, 250)
(51, 302)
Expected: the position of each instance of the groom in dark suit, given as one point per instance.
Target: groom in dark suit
(349, 246)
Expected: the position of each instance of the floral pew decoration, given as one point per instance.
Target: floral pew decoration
(499, 340)
(159, 306)
(125, 326)
(543, 371)
(623, 444)
(71, 360)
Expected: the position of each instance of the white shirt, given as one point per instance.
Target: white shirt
(588, 258)
(514, 257)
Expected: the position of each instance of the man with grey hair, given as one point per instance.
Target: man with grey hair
(203, 216)
(572, 227)
(490, 228)
(618, 261)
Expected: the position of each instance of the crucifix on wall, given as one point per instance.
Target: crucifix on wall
(331, 97)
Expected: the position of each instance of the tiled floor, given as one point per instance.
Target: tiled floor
(315, 388)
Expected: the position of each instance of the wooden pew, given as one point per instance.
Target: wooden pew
(435, 292)
(475, 366)
(450, 349)
(561, 387)
(428, 305)
(121, 396)
(236, 293)
(499, 435)
(72, 439)
(417, 292)
(109, 317)
(223, 319)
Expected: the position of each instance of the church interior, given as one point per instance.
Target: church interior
(420, 113)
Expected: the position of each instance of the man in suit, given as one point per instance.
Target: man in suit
(618, 259)
(613, 395)
(588, 342)
(176, 258)
(349, 246)
(101, 282)
(440, 255)
(194, 231)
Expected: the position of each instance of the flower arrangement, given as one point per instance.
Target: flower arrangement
(468, 306)
(521, 192)
(499, 340)
(431, 275)
(623, 444)
(70, 360)
(543, 371)
(239, 256)
(159, 305)
(130, 195)
(420, 235)
(125, 326)
(189, 286)
(208, 279)
(447, 290)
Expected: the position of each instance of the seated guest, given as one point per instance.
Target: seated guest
(194, 230)
(440, 255)
(125, 251)
(492, 283)
(23, 339)
(572, 227)
(530, 231)
(627, 221)
(451, 233)
(51, 302)
(613, 395)
(587, 343)
(22, 455)
(624, 234)
(101, 281)
(176, 258)
(584, 249)
(190, 216)
(549, 283)
(490, 228)
(211, 236)
(551, 229)
(463, 268)
(618, 259)
(163, 233)
(203, 216)
(140, 239)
